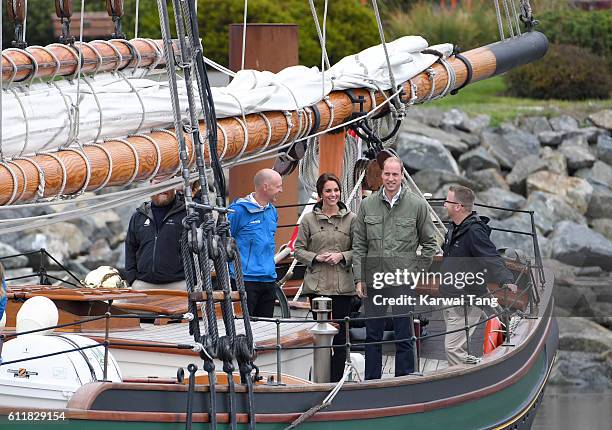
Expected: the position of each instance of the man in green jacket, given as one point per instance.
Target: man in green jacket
(390, 226)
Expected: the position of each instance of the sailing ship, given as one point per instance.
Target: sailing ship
(259, 113)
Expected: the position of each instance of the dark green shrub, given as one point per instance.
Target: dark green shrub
(588, 29)
(566, 72)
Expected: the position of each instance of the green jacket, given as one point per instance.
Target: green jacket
(386, 239)
(317, 234)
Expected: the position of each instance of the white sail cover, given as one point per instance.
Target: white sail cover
(48, 116)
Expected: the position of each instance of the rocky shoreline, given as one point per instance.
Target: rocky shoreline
(559, 167)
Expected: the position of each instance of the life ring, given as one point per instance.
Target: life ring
(493, 335)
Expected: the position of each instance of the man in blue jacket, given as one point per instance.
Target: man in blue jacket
(472, 259)
(253, 225)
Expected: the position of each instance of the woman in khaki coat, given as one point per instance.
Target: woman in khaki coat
(324, 242)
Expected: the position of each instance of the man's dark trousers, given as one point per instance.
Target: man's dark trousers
(404, 357)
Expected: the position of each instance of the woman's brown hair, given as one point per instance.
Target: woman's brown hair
(323, 179)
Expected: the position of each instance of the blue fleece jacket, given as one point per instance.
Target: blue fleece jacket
(254, 227)
(2, 298)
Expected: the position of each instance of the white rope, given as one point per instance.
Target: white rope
(500, 24)
(25, 120)
(79, 67)
(508, 19)
(40, 190)
(219, 67)
(136, 19)
(99, 105)
(25, 179)
(244, 29)
(143, 116)
(64, 174)
(243, 124)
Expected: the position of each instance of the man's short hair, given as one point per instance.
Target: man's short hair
(393, 160)
(463, 195)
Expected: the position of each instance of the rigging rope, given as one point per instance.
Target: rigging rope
(244, 29)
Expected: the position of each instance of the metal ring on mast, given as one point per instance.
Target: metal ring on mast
(15, 185)
(64, 172)
(95, 50)
(25, 178)
(157, 152)
(81, 153)
(40, 191)
(13, 67)
(58, 64)
(110, 164)
(136, 158)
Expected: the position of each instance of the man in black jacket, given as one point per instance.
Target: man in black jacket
(152, 246)
(472, 260)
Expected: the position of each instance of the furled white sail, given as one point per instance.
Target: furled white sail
(48, 116)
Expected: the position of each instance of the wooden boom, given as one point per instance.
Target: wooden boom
(138, 158)
(62, 60)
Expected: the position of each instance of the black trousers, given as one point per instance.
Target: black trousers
(341, 307)
(260, 298)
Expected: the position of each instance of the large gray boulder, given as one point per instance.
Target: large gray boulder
(600, 204)
(478, 159)
(500, 198)
(555, 161)
(603, 226)
(602, 119)
(454, 118)
(431, 180)
(578, 245)
(580, 334)
(450, 141)
(517, 222)
(563, 123)
(576, 192)
(474, 124)
(488, 178)
(15, 262)
(599, 174)
(420, 152)
(589, 133)
(471, 140)
(577, 153)
(535, 124)
(62, 240)
(524, 167)
(551, 138)
(550, 209)
(509, 144)
(604, 149)
(100, 225)
(426, 114)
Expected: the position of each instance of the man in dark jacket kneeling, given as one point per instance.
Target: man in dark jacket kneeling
(471, 259)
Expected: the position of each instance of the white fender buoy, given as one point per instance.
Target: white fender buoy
(37, 312)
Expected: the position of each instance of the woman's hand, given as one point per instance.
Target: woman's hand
(334, 258)
(322, 258)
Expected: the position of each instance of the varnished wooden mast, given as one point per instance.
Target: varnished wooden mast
(138, 158)
(62, 60)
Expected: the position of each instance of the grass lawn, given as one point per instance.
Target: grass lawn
(486, 97)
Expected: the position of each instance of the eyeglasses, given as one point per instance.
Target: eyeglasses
(452, 203)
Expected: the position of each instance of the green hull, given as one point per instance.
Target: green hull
(499, 408)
